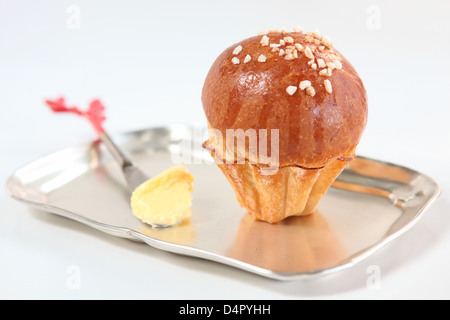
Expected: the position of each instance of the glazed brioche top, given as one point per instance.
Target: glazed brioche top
(291, 81)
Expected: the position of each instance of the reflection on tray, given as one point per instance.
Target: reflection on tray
(182, 234)
(373, 169)
(379, 179)
(297, 244)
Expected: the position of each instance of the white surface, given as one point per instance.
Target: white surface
(147, 62)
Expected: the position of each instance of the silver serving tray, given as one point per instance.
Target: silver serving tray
(371, 203)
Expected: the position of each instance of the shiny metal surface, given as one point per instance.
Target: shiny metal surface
(370, 204)
(133, 175)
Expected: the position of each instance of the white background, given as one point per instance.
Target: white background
(147, 61)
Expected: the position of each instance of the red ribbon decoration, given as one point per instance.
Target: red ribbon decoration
(95, 114)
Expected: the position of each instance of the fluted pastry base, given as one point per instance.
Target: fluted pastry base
(291, 191)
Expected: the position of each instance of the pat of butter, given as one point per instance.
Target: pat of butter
(165, 199)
